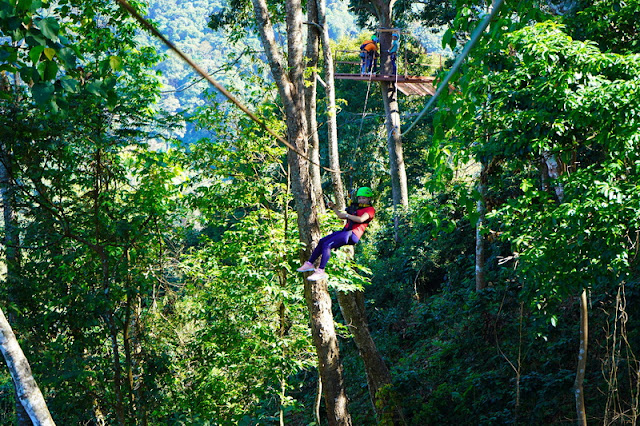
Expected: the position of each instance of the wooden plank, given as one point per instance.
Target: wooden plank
(417, 89)
(378, 77)
(409, 85)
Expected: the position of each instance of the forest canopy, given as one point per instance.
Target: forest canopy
(152, 230)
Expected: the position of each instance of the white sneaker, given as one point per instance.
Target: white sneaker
(318, 275)
(306, 267)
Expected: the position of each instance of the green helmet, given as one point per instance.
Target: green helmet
(364, 192)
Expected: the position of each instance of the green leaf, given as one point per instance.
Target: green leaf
(50, 28)
(35, 53)
(42, 92)
(70, 84)
(51, 71)
(68, 56)
(49, 53)
(7, 54)
(36, 40)
(48, 70)
(27, 4)
(526, 185)
(446, 38)
(95, 87)
(115, 62)
(5, 10)
(473, 218)
(29, 74)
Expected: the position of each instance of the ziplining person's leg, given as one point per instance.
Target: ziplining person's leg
(323, 250)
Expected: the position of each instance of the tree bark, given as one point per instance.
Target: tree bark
(109, 316)
(313, 49)
(399, 189)
(26, 386)
(291, 89)
(554, 169)
(332, 122)
(582, 359)
(12, 248)
(378, 375)
(117, 374)
(351, 303)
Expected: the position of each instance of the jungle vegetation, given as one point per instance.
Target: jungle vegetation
(151, 229)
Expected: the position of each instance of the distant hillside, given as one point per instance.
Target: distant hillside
(185, 24)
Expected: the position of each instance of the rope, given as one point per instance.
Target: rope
(467, 48)
(146, 24)
(364, 111)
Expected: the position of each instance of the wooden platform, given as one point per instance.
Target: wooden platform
(409, 85)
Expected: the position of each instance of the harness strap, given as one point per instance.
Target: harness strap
(353, 209)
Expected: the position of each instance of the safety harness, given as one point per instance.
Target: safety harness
(352, 209)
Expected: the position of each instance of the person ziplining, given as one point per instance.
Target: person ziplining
(358, 216)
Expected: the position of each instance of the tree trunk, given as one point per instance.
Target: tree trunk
(313, 41)
(117, 374)
(12, 249)
(582, 359)
(399, 190)
(291, 89)
(332, 123)
(141, 362)
(378, 376)
(326, 343)
(110, 321)
(480, 246)
(351, 303)
(26, 386)
(128, 353)
(554, 169)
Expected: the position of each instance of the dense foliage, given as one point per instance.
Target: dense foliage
(151, 280)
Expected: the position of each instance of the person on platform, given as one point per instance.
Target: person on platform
(393, 51)
(368, 53)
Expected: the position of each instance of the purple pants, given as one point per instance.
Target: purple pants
(332, 241)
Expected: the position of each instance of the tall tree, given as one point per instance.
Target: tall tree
(332, 112)
(26, 387)
(555, 92)
(46, 54)
(383, 12)
(74, 144)
(351, 302)
(11, 227)
(481, 188)
(13, 254)
(290, 82)
(312, 54)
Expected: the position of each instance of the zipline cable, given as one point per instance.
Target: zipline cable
(146, 24)
(364, 111)
(467, 48)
